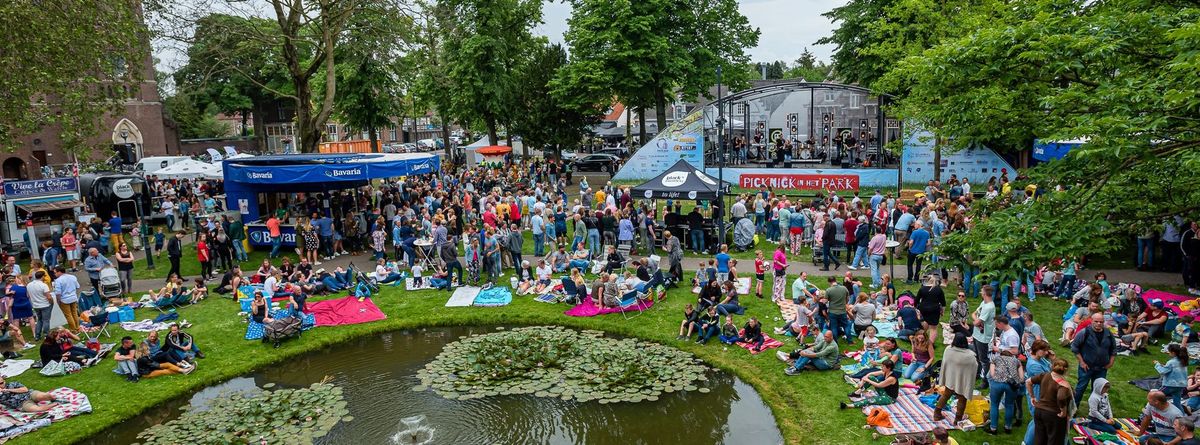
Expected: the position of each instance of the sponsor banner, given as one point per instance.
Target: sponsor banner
(864, 178)
(977, 163)
(21, 189)
(682, 140)
(799, 182)
(259, 236)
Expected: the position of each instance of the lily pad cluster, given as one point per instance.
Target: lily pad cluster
(551, 361)
(284, 416)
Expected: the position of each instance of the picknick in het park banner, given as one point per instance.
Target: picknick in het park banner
(799, 182)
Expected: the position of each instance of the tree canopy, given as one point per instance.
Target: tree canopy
(70, 62)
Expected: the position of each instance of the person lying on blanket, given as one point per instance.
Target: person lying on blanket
(16, 396)
(822, 356)
(885, 381)
(169, 291)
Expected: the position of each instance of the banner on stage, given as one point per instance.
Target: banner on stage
(799, 182)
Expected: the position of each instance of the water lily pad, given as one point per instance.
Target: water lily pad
(705, 390)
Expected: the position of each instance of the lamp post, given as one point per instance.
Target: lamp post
(720, 163)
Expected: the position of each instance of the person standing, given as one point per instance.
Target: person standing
(41, 300)
(674, 255)
(828, 238)
(93, 264)
(70, 245)
(168, 209)
(1189, 244)
(276, 236)
(931, 302)
(175, 252)
(237, 236)
(837, 297)
(1053, 411)
(66, 292)
(125, 268)
(984, 320)
(204, 256)
(537, 226)
(1096, 350)
(918, 243)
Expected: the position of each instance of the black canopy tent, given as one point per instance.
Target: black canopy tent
(681, 181)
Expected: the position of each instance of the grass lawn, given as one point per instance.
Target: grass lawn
(805, 407)
(190, 267)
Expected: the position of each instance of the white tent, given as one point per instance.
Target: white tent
(188, 169)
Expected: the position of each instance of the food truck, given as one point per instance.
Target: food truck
(40, 206)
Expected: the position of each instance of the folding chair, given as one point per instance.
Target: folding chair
(657, 285)
(633, 300)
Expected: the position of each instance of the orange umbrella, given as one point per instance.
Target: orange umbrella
(494, 150)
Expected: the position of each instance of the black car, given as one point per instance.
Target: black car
(596, 163)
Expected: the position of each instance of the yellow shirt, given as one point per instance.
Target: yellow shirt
(502, 210)
(600, 198)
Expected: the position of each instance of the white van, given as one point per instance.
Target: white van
(151, 164)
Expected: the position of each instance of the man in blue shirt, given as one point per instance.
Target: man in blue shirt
(918, 244)
(900, 229)
(325, 234)
(115, 230)
(876, 200)
(538, 226)
(723, 264)
(66, 292)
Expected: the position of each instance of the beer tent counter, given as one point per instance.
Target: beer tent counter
(250, 182)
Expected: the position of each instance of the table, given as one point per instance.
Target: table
(890, 245)
(423, 248)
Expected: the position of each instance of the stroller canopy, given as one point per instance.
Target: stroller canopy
(743, 233)
(681, 181)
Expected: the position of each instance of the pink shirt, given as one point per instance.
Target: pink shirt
(780, 260)
(876, 246)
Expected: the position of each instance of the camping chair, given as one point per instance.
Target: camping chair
(570, 289)
(623, 250)
(633, 301)
(656, 285)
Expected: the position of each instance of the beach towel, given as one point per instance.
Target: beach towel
(548, 298)
(345, 310)
(768, 343)
(885, 329)
(1147, 384)
(254, 330)
(12, 368)
(493, 296)
(588, 308)
(1093, 437)
(909, 415)
(463, 296)
(1170, 301)
(73, 404)
(146, 325)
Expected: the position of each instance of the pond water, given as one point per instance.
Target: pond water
(379, 372)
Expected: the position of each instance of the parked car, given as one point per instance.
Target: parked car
(408, 148)
(619, 152)
(597, 162)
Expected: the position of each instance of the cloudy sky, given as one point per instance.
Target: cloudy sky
(787, 26)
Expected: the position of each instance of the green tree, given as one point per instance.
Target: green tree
(482, 43)
(1120, 74)
(807, 67)
(194, 122)
(545, 122)
(235, 75)
(67, 64)
(371, 69)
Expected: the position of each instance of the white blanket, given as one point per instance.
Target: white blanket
(463, 296)
(13, 368)
(408, 284)
(146, 325)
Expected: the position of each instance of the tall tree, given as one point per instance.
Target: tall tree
(371, 69)
(430, 87)
(67, 63)
(545, 121)
(1120, 74)
(484, 41)
(306, 33)
(236, 75)
(194, 122)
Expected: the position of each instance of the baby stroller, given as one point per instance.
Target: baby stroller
(110, 283)
(281, 329)
(743, 235)
(366, 287)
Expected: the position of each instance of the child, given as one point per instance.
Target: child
(870, 340)
(701, 279)
(1100, 413)
(158, 241)
(50, 254)
(729, 331)
(135, 237)
(711, 270)
(760, 271)
(798, 327)
(199, 291)
(416, 271)
(752, 333)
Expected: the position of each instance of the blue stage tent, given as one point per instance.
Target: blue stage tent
(245, 178)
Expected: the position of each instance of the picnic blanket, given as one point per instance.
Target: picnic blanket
(345, 310)
(22, 429)
(463, 296)
(1170, 300)
(146, 325)
(768, 343)
(909, 415)
(588, 308)
(549, 298)
(408, 284)
(1093, 437)
(493, 296)
(73, 404)
(254, 330)
(13, 368)
(1148, 383)
(885, 329)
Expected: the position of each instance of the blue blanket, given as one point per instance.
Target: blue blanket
(255, 330)
(495, 296)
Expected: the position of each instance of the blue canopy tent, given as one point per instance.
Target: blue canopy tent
(245, 178)
(1046, 151)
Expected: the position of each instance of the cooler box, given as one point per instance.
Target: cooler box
(246, 302)
(126, 313)
(114, 315)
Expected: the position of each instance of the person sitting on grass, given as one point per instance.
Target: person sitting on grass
(910, 320)
(169, 292)
(886, 295)
(154, 347)
(690, 321)
(59, 346)
(1100, 413)
(230, 281)
(729, 331)
(708, 325)
(385, 273)
(265, 270)
(612, 296)
(126, 359)
(885, 381)
(730, 304)
(752, 333)
(181, 346)
(709, 295)
(260, 310)
(17, 397)
(887, 349)
(199, 291)
(15, 340)
(822, 356)
(151, 368)
(803, 289)
(560, 260)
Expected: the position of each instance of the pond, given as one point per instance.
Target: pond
(378, 374)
